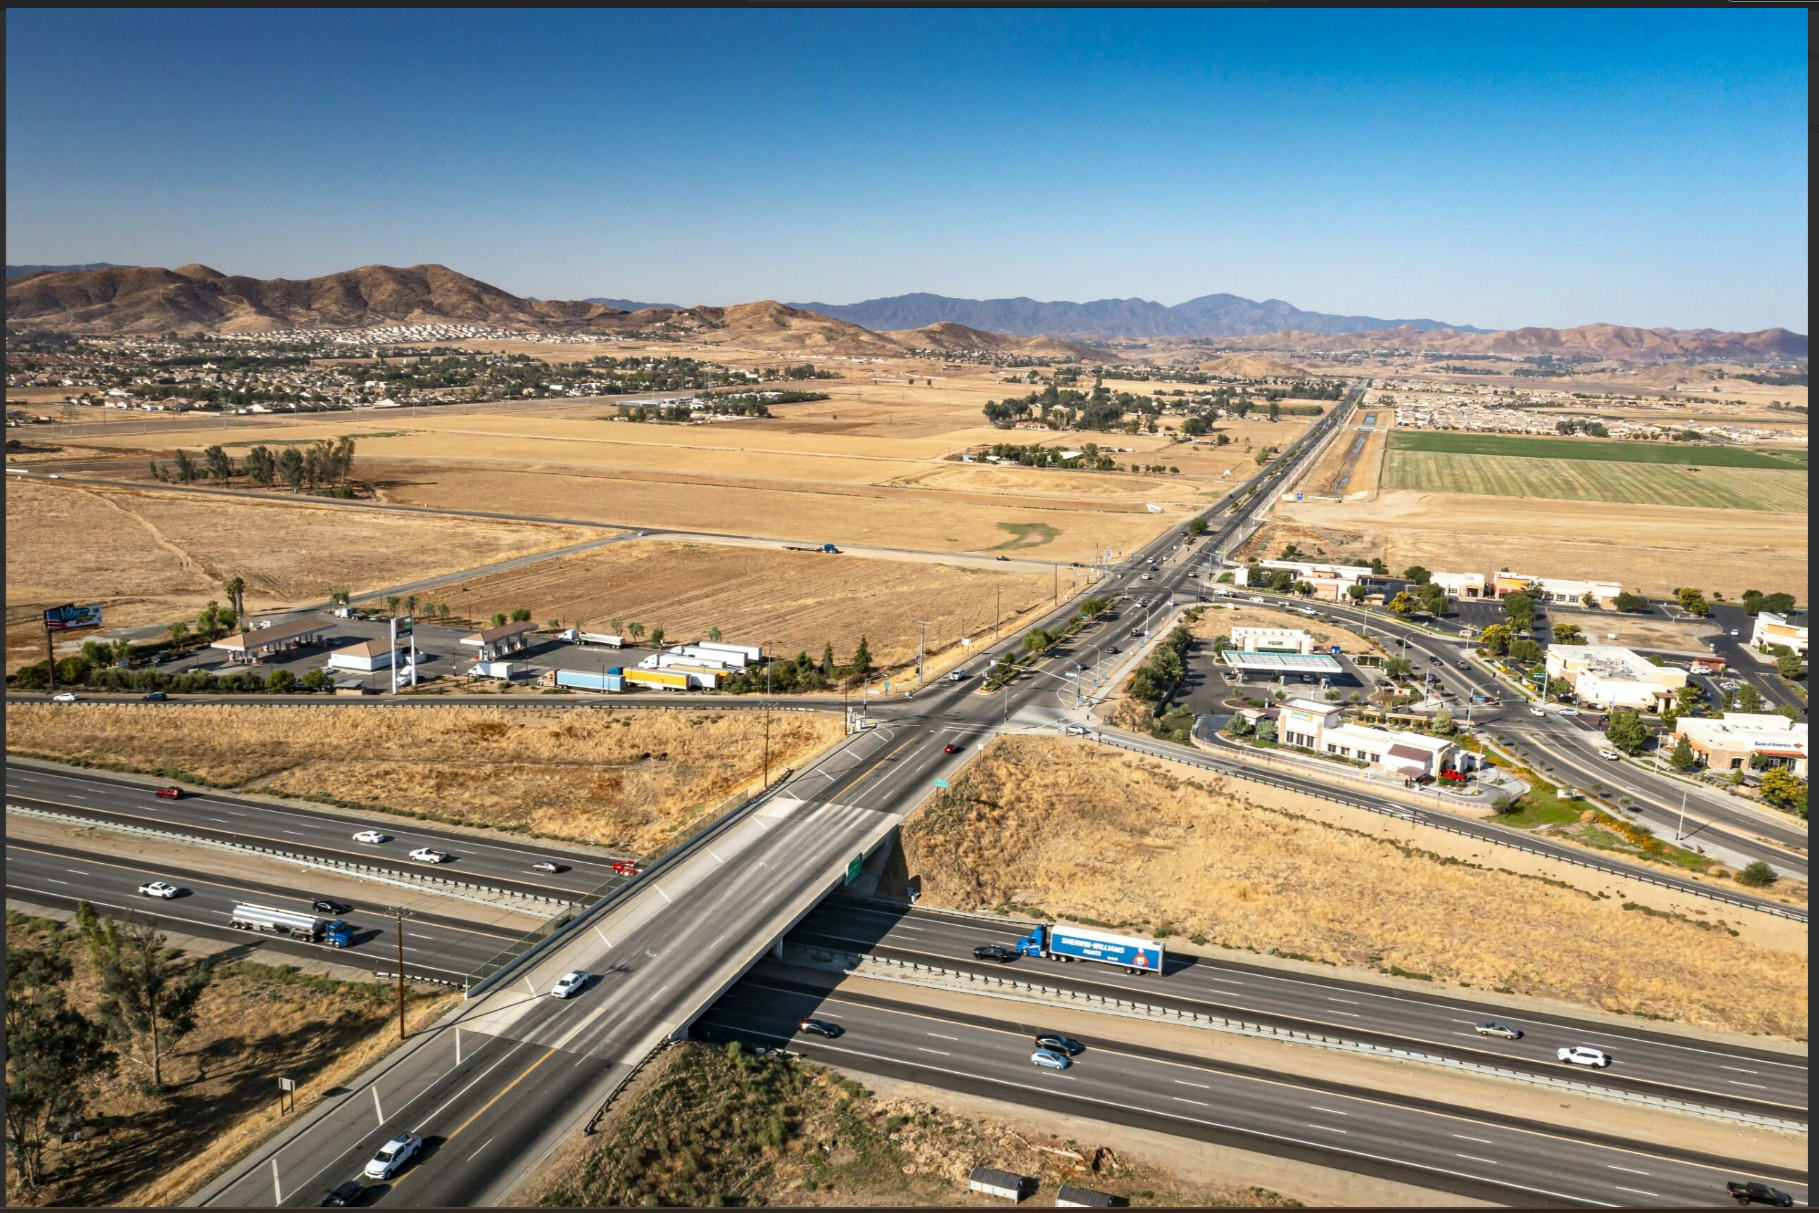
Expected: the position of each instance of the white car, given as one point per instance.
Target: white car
(428, 855)
(1048, 1059)
(1308, 611)
(55, 476)
(159, 888)
(1569, 711)
(1146, 577)
(64, 697)
(372, 836)
(1536, 712)
(1733, 631)
(1610, 754)
(393, 1155)
(1584, 1055)
(1255, 598)
(569, 984)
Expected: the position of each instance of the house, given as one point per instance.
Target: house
(1731, 742)
(1775, 629)
(1607, 676)
(1560, 591)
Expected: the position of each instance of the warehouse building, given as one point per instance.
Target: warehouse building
(1607, 676)
(1731, 742)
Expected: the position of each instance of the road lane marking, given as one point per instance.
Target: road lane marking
(80, 872)
(936, 1052)
(483, 1107)
(1483, 1141)
(1182, 1082)
(1637, 1191)
(1329, 1111)
(1614, 1167)
(54, 880)
(603, 938)
(1327, 1128)
(1350, 1002)
(1475, 1158)
(376, 1107)
(1737, 1070)
(489, 1141)
(1758, 1086)
(939, 1036)
(717, 859)
(1197, 1103)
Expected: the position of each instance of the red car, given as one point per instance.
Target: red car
(169, 793)
(1452, 776)
(950, 749)
(625, 867)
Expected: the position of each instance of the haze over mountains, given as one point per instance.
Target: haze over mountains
(16, 271)
(195, 298)
(1208, 316)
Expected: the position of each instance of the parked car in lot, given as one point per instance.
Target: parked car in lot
(1583, 1055)
(1048, 1059)
(1753, 1193)
(625, 867)
(1493, 1028)
(393, 1155)
(159, 888)
(994, 951)
(820, 1027)
(346, 1196)
(429, 855)
(569, 984)
(324, 905)
(549, 869)
(372, 836)
(1054, 1042)
(168, 793)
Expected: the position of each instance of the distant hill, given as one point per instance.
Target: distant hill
(1207, 316)
(1609, 341)
(769, 325)
(195, 298)
(16, 271)
(628, 305)
(961, 339)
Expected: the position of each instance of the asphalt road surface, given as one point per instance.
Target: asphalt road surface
(1764, 1081)
(1458, 1150)
(499, 863)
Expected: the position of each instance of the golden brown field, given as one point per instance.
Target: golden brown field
(153, 557)
(630, 778)
(1246, 866)
(1650, 549)
(786, 601)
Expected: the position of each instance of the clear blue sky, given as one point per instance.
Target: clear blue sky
(1498, 169)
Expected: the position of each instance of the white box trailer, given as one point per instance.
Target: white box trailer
(751, 652)
(603, 639)
(673, 659)
(720, 657)
(490, 669)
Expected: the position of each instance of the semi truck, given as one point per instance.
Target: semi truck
(587, 680)
(813, 547)
(332, 931)
(600, 638)
(1060, 942)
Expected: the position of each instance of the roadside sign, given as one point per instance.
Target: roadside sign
(69, 617)
(287, 1084)
(852, 869)
(941, 783)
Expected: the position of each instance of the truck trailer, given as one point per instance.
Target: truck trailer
(331, 931)
(587, 680)
(600, 638)
(1061, 942)
(662, 680)
(752, 653)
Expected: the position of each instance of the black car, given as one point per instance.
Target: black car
(820, 1027)
(1753, 1193)
(154, 697)
(346, 1196)
(325, 906)
(1057, 1043)
(994, 951)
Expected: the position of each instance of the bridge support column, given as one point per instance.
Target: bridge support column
(777, 948)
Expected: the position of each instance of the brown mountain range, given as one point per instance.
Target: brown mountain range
(195, 298)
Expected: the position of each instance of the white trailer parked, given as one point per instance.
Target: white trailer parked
(751, 652)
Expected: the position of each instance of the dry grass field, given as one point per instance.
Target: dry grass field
(1152, 849)
(787, 601)
(1717, 488)
(629, 779)
(1648, 548)
(152, 557)
(253, 1025)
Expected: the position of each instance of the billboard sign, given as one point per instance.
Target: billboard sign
(69, 617)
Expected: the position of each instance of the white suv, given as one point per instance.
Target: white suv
(1584, 1055)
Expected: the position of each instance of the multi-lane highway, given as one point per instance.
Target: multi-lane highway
(436, 946)
(1752, 1079)
(1489, 1156)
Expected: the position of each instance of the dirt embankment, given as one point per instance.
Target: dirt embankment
(1230, 864)
(629, 779)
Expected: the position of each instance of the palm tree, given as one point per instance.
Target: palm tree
(617, 624)
(410, 605)
(391, 603)
(236, 594)
(634, 629)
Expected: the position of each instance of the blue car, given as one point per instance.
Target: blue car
(1048, 1059)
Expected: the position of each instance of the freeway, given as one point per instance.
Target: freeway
(677, 938)
(495, 863)
(1469, 1153)
(1745, 1078)
(435, 947)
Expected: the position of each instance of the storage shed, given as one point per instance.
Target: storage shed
(993, 1182)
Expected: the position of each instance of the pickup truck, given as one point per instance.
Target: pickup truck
(1753, 1193)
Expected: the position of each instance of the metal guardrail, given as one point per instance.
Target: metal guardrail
(992, 986)
(1402, 813)
(619, 1089)
(441, 884)
(392, 975)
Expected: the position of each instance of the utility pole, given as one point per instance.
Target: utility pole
(921, 639)
(399, 914)
(997, 615)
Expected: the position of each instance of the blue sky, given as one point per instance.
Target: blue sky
(1498, 169)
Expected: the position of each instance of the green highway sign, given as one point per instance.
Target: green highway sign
(941, 783)
(852, 869)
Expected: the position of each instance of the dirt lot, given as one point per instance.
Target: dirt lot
(1245, 866)
(710, 1126)
(153, 557)
(253, 1024)
(1648, 548)
(626, 779)
(1220, 620)
(1608, 627)
(786, 601)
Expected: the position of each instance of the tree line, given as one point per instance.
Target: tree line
(320, 463)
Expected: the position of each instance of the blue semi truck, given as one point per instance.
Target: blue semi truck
(1067, 943)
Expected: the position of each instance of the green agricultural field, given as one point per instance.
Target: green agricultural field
(1595, 450)
(1720, 488)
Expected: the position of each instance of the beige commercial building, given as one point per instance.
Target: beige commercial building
(1775, 629)
(1607, 676)
(1728, 743)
